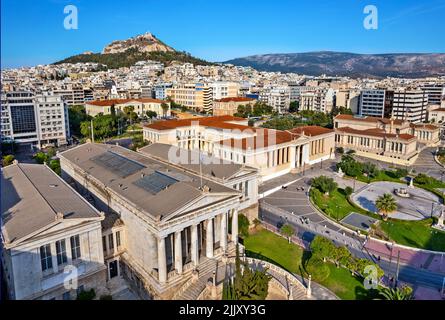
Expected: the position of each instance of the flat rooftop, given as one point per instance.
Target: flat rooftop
(31, 197)
(150, 185)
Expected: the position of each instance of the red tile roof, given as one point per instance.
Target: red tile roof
(376, 133)
(236, 99)
(424, 126)
(263, 139)
(107, 103)
(221, 122)
(311, 131)
(368, 119)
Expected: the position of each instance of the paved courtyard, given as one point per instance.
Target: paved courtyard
(420, 205)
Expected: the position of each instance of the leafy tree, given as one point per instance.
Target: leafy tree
(370, 169)
(77, 115)
(8, 160)
(151, 114)
(348, 191)
(243, 226)
(400, 173)
(317, 269)
(386, 204)
(423, 179)
(288, 231)
(294, 106)
(164, 107)
(350, 166)
(322, 248)
(104, 126)
(40, 157)
(324, 184)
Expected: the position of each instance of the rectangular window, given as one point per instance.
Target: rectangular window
(110, 241)
(118, 239)
(75, 247)
(61, 252)
(104, 243)
(45, 257)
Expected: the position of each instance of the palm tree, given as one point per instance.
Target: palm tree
(396, 294)
(386, 204)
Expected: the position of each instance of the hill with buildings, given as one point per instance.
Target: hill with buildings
(125, 53)
(409, 65)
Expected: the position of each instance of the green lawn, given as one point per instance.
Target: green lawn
(417, 234)
(336, 205)
(384, 175)
(275, 249)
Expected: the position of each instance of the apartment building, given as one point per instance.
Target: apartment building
(51, 249)
(376, 103)
(349, 99)
(410, 105)
(435, 92)
(37, 120)
(390, 140)
(75, 95)
(224, 89)
(272, 152)
(141, 106)
(160, 90)
(194, 96)
(229, 106)
(276, 97)
(317, 99)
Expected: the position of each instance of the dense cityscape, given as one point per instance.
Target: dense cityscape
(144, 173)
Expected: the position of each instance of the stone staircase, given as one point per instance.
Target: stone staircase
(193, 289)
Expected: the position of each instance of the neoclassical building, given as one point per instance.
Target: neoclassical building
(272, 152)
(389, 140)
(51, 236)
(175, 222)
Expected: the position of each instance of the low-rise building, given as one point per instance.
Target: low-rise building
(389, 140)
(141, 106)
(175, 221)
(51, 236)
(272, 152)
(229, 106)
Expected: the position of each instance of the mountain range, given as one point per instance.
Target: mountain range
(332, 63)
(125, 53)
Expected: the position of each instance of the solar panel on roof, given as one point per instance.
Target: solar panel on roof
(121, 166)
(155, 182)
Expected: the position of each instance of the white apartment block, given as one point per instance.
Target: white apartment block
(318, 99)
(410, 105)
(276, 97)
(38, 120)
(221, 90)
(435, 92)
(195, 96)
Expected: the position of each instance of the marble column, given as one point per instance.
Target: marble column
(178, 252)
(235, 226)
(194, 245)
(223, 240)
(162, 261)
(209, 238)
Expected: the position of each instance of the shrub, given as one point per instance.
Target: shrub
(348, 191)
(340, 150)
(324, 184)
(243, 226)
(8, 160)
(86, 295)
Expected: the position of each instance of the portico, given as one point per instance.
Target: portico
(188, 245)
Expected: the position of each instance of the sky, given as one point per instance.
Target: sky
(32, 31)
